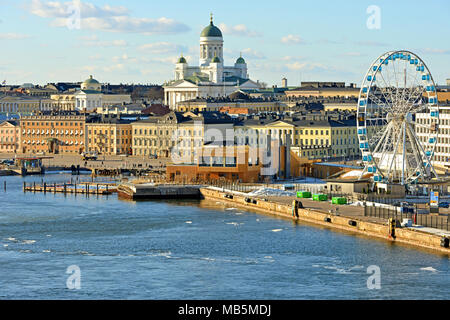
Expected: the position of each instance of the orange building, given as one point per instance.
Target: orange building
(218, 162)
(239, 163)
(9, 136)
(233, 110)
(53, 133)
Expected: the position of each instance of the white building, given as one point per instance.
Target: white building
(441, 155)
(90, 97)
(211, 78)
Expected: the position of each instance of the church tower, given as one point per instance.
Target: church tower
(211, 44)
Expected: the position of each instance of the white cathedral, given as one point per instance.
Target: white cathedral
(211, 78)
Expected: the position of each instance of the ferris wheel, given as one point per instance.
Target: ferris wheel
(398, 119)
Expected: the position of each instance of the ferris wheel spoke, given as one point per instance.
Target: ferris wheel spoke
(416, 151)
(423, 152)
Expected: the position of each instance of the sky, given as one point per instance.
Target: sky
(129, 41)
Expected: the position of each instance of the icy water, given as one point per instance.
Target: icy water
(192, 250)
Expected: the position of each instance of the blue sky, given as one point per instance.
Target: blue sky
(138, 41)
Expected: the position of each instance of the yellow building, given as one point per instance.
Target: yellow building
(23, 104)
(109, 135)
(177, 134)
(314, 137)
(324, 89)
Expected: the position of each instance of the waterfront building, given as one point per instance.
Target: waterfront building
(313, 136)
(9, 136)
(212, 78)
(225, 160)
(53, 133)
(109, 135)
(160, 136)
(152, 137)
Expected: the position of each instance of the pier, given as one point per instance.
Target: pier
(87, 188)
(149, 191)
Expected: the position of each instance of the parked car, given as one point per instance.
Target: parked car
(444, 204)
(89, 156)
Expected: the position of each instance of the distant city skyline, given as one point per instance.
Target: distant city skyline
(139, 41)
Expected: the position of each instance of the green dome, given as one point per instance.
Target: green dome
(240, 60)
(182, 60)
(91, 81)
(216, 59)
(211, 31)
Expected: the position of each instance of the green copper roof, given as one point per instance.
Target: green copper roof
(240, 60)
(216, 59)
(90, 80)
(182, 60)
(211, 31)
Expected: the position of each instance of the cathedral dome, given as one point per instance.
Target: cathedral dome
(182, 60)
(211, 31)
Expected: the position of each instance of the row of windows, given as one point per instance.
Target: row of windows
(106, 131)
(42, 124)
(166, 132)
(6, 131)
(124, 141)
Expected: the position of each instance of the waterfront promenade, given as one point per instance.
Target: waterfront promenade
(103, 161)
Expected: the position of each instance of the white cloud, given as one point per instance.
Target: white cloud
(252, 54)
(106, 18)
(247, 53)
(56, 9)
(292, 39)
(163, 48)
(13, 36)
(93, 41)
(238, 30)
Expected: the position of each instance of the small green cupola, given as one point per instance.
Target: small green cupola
(182, 60)
(240, 60)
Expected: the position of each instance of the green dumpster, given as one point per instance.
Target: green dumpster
(338, 200)
(303, 194)
(320, 197)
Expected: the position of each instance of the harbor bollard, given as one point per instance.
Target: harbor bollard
(24, 186)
